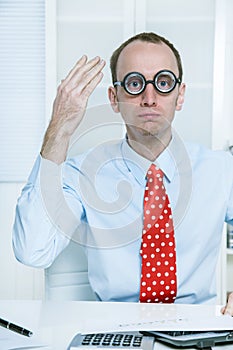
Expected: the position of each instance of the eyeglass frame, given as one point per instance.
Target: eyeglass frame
(146, 82)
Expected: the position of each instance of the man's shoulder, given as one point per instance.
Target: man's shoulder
(202, 153)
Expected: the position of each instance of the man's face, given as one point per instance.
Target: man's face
(151, 112)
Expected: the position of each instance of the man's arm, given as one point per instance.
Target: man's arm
(36, 238)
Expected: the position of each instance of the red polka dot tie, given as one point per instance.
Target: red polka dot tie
(158, 276)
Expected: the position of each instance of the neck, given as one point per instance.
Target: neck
(149, 146)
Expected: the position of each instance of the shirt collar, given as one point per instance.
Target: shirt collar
(167, 161)
(135, 163)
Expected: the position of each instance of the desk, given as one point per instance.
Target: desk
(55, 323)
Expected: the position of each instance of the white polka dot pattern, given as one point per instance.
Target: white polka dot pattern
(158, 252)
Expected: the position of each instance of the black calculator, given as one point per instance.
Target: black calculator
(119, 340)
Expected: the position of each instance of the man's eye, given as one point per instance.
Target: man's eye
(134, 85)
(165, 83)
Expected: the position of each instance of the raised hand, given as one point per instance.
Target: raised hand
(70, 105)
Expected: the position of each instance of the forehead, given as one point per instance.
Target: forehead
(146, 58)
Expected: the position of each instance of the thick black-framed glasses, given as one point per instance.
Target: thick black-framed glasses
(135, 83)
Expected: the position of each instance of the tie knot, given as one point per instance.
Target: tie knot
(154, 172)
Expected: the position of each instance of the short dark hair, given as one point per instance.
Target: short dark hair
(146, 37)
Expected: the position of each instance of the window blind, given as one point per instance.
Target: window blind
(22, 86)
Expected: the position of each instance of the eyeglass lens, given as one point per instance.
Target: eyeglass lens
(165, 82)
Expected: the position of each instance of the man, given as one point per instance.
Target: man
(105, 188)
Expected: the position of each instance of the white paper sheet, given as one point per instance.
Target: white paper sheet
(167, 323)
(181, 323)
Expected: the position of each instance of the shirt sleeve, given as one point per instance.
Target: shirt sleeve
(47, 214)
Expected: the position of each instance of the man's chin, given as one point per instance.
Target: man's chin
(147, 131)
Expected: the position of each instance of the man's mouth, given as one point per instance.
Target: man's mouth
(149, 116)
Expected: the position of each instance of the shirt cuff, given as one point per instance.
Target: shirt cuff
(43, 165)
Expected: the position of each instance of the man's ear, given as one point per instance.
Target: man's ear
(113, 99)
(180, 99)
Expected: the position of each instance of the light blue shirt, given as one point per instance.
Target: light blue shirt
(101, 207)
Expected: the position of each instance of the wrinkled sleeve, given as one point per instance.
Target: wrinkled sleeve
(47, 214)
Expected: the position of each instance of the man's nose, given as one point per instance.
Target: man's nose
(149, 96)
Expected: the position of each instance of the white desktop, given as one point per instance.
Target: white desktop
(54, 324)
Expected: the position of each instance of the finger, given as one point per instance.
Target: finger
(228, 309)
(78, 64)
(82, 67)
(88, 76)
(223, 309)
(90, 87)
